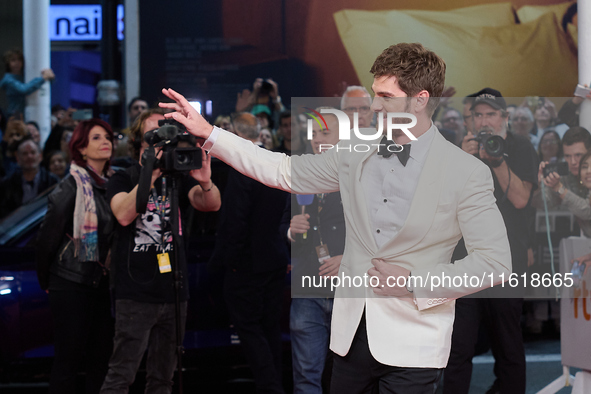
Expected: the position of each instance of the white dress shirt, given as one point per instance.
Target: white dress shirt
(389, 187)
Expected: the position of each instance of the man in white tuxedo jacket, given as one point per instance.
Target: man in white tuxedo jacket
(402, 219)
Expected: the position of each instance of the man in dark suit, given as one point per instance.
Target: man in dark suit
(254, 255)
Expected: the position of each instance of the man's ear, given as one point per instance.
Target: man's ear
(421, 101)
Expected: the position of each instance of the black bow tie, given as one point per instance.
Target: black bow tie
(403, 154)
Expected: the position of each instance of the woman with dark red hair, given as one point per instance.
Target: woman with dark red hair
(72, 261)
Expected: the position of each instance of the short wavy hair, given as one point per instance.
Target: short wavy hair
(136, 131)
(577, 134)
(415, 68)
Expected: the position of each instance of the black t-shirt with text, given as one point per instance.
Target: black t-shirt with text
(134, 268)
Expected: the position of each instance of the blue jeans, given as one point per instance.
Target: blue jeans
(141, 325)
(309, 325)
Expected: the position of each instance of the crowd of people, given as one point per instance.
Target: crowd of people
(95, 242)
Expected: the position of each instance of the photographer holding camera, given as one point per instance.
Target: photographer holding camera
(513, 163)
(264, 96)
(563, 186)
(142, 257)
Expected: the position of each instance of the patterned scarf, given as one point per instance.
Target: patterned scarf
(85, 219)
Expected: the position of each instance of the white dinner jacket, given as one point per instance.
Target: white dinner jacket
(454, 198)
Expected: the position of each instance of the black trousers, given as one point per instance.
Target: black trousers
(254, 304)
(502, 318)
(83, 338)
(359, 373)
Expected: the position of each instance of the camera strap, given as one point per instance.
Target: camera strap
(505, 195)
(163, 258)
(145, 179)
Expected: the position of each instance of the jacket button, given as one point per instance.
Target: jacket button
(334, 227)
(315, 228)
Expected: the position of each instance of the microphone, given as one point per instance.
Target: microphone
(303, 200)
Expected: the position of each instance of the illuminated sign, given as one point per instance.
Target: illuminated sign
(79, 22)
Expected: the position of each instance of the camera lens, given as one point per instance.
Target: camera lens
(183, 159)
(494, 146)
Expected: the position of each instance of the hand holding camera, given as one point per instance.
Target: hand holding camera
(265, 87)
(244, 100)
(273, 89)
(492, 147)
(256, 86)
(203, 174)
(489, 147)
(469, 144)
(550, 172)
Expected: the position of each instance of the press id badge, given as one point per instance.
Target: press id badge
(323, 254)
(164, 263)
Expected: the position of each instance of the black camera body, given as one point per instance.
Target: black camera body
(174, 158)
(560, 167)
(266, 87)
(494, 145)
(180, 159)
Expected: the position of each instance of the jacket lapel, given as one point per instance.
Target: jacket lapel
(424, 203)
(361, 223)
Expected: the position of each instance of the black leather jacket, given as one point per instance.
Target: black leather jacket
(55, 245)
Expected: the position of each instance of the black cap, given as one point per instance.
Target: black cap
(491, 97)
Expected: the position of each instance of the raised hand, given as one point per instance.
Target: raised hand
(275, 91)
(186, 114)
(244, 100)
(256, 86)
